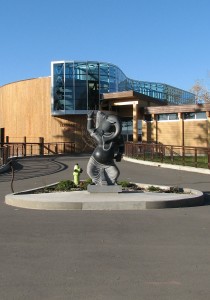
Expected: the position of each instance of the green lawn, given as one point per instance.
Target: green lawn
(202, 161)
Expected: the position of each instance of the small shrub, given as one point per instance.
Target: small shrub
(126, 184)
(65, 185)
(48, 189)
(152, 188)
(83, 184)
(176, 190)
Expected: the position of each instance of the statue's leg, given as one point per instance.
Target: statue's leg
(112, 173)
(103, 178)
(93, 170)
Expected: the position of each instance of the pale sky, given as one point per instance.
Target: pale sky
(152, 40)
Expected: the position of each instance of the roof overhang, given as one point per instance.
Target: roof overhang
(131, 95)
(177, 108)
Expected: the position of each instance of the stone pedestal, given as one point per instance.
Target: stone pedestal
(104, 188)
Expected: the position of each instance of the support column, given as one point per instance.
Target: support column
(181, 120)
(156, 128)
(135, 121)
(208, 128)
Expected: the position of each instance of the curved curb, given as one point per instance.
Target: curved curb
(167, 166)
(83, 200)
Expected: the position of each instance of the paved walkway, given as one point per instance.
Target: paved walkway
(152, 254)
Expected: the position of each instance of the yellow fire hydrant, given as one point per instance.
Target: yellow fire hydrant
(76, 174)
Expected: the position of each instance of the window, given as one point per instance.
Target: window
(195, 116)
(201, 115)
(168, 117)
(189, 116)
(173, 116)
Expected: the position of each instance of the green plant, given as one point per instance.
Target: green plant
(176, 190)
(126, 184)
(83, 184)
(65, 185)
(152, 188)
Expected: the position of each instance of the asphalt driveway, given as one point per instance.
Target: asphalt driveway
(151, 254)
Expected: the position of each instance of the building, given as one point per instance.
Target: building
(54, 109)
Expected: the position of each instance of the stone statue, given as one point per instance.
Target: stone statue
(107, 133)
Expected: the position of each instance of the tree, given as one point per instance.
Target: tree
(202, 94)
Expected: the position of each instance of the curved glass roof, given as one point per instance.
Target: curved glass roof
(77, 86)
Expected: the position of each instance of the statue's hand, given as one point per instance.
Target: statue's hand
(90, 115)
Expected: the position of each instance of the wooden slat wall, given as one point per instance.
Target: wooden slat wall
(196, 133)
(169, 133)
(26, 111)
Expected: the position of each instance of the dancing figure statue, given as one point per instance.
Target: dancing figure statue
(107, 133)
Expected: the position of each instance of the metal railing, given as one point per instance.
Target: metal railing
(3, 155)
(198, 157)
(10, 150)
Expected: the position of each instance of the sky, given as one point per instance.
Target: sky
(166, 41)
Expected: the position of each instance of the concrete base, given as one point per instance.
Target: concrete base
(104, 188)
(83, 200)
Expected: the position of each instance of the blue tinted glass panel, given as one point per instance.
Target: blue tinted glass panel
(163, 117)
(173, 116)
(201, 115)
(59, 69)
(78, 85)
(69, 86)
(93, 86)
(58, 87)
(80, 95)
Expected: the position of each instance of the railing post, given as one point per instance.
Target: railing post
(5, 154)
(183, 156)
(209, 158)
(41, 146)
(152, 152)
(196, 158)
(24, 146)
(144, 152)
(162, 152)
(172, 156)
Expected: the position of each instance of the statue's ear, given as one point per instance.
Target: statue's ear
(117, 124)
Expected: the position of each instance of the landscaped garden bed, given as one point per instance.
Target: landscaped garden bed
(69, 186)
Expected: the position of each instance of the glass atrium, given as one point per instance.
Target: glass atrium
(77, 86)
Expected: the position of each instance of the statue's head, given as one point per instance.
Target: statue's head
(107, 123)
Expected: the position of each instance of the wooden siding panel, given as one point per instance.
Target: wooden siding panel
(196, 133)
(26, 112)
(169, 133)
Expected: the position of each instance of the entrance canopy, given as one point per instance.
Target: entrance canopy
(143, 100)
(129, 98)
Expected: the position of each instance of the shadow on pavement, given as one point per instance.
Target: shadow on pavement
(33, 167)
(206, 198)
